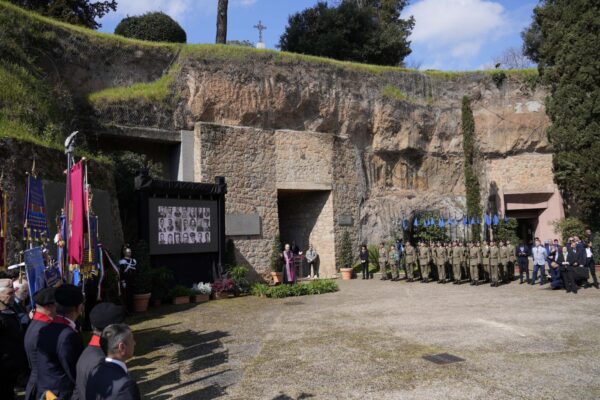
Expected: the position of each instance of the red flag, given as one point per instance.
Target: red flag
(76, 215)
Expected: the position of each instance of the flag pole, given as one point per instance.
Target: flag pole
(69, 149)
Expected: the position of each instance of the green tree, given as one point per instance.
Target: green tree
(564, 38)
(471, 180)
(368, 31)
(346, 253)
(77, 12)
(154, 26)
(506, 231)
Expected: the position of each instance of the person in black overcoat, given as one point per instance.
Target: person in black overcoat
(59, 345)
(101, 316)
(110, 380)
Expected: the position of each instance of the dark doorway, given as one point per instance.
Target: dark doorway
(306, 217)
(526, 229)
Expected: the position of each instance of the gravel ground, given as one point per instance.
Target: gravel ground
(367, 341)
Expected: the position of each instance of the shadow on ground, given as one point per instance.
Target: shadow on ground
(168, 360)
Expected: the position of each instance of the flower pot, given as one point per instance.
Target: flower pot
(220, 295)
(200, 298)
(346, 273)
(140, 302)
(181, 300)
(277, 277)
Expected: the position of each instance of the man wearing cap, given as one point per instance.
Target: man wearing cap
(12, 353)
(43, 314)
(59, 345)
(101, 316)
(110, 379)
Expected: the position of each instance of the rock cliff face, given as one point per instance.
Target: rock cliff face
(404, 124)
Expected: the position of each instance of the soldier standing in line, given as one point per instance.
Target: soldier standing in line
(512, 260)
(504, 258)
(485, 260)
(456, 256)
(393, 260)
(424, 259)
(410, 260)
(440, 260)
(474, 263)
(383, 261)
(494, 264)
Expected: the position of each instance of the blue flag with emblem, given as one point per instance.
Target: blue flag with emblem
(465, 220)
(441, 221)
(472, 221)
(416, 223)
(496, 221)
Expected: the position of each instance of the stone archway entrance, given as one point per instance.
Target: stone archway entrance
(306, 216)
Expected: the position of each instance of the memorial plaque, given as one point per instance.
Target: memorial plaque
(345, 220)
(242, 224)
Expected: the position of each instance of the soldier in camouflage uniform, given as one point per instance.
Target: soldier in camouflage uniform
(494, 264)
(440, 255)
(504, 260)
(383, 261)
(485, 260)
(457, 259)
(424, 259)
(512, 260)
(474, 261)
(410, 259)
(393, 260)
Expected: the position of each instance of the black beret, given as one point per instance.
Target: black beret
(105, 314)
(69, 295)
(44, 296)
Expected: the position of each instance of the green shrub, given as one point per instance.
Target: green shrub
(143, 276)
(152, 26)
(318, 286)
(162, 280)
(373, 254)
(276, 255)
(238, 275)
(498, 77)
(568, 227)
(180, 291)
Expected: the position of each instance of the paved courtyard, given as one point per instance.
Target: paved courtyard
(367, 341)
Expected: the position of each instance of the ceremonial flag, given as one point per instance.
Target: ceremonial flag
(440, 222)
(449, 222)
(465, 220)
(431, 221)
(488, 219)
(505, 219)
(426, 222)
(3, 227)
(76, 215)
(34, 267)
(496, 221)
(478, 220)
(35, 225)
(416, 223)
(472, 221)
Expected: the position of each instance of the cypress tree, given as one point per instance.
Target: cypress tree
(564, 38)
(471, 180)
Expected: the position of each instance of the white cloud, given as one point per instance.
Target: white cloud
(458, 28)
(177, 9)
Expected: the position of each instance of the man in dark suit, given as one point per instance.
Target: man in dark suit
(45, 311)
(101, 316)
(60, 345)
(110, 379)
(523, 258)
(574, 256)
(12, 352)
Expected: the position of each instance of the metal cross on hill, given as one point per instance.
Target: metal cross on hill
(260, 28)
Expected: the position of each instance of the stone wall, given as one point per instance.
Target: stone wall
(315, 176)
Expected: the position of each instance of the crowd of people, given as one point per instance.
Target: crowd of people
(567, 267)
(42, 350)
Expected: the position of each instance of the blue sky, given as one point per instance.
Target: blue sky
(449, 34)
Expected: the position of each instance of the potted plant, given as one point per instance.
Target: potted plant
(142, 289)
(346, 256)
(222, 288)
(238, 275)
(201, 292)
(180, 294)
(276, 261)
(162, 279)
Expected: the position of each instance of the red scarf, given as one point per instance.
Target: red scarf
(38, 316)
(59, 319)
(95, 341)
